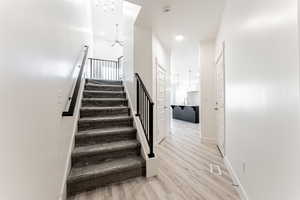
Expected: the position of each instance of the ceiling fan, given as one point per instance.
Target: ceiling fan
(117, 40)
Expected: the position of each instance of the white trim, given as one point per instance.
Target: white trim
(157, 67)
(222, 55)
(151, 163)
(63, 190)
(208, 140)
(236, 181)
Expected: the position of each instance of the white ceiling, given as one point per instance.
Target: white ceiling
(196, 20)
(104, 21)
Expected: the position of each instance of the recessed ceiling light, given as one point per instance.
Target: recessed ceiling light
(179, 38)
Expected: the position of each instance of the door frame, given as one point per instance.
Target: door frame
(221, 54)
(158, 66)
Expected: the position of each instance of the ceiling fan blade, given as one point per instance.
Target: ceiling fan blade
(121, 43)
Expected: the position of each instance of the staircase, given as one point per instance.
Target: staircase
(106, 149)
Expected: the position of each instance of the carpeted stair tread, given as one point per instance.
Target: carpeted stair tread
(100, 91)
(104, 108)
(104, 85)
(111, 118)
(105, 168)
(107, 82)
(105, 148)
(104, 99)
(104, 131)
(103, 94)
(104, 102)
(105, 135)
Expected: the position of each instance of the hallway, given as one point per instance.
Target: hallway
(183, 173)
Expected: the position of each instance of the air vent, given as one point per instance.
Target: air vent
(166, 9)
(215, 170)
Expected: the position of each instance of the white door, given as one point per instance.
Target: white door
(220, 100)
(161, 103)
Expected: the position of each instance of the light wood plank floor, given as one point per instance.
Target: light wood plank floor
(183, 173)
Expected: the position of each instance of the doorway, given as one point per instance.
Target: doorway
(220, 100)
(161, 103)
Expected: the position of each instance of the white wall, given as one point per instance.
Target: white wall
(147, 49)
(262, 95)
(103, 49)
(104, 29)
(40, 43)
(184, 57)
(208, 91)
(143, 60)
(130, 14)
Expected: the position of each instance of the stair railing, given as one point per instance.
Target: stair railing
(74, 96)
(102, 69)
(144, 109)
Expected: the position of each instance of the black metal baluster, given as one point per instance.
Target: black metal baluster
(106, 72)
(145, 108)
(144, 100)
(93, 68)
(151, 154)
(96, 69)
(111, 72)
(137, 98)
(118, 68)
(91, 60)
(100, 69)
(147, 103)
(141, 108)
(110, 63)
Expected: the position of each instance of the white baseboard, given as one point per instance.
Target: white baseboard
(207, 140)
(236, 181)
(151, 163)
(63, 190)
(152, 167)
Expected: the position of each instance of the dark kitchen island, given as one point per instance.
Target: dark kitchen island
(186, 113)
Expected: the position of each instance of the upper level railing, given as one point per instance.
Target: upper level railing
(105, 69)
(144, 109)
(74, 96)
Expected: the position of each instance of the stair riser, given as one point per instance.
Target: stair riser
(96, 182)
(89, 125)
(84, 160)
(104, 113)
(105, 139)
(95, 103)
(104, 82)
(103, 88)
(103, 95)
